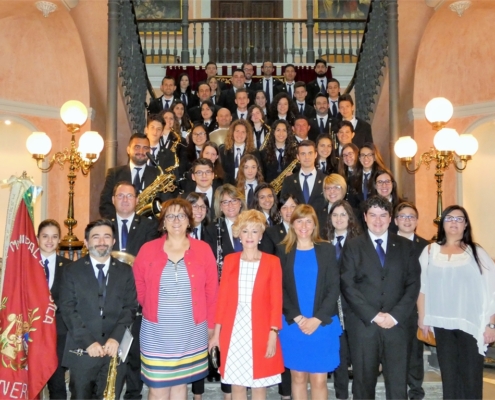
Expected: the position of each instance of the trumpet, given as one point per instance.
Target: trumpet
(267, 135)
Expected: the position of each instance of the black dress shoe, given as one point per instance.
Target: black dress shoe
(351, 373)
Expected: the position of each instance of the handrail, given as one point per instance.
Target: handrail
(301, 20)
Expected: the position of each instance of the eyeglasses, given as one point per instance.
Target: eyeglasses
(404, 217)
(203, 173)
(451, 218)
(333, 188)
(122, 196)
(198, 207)
(385, 182)
(227, 203)
(348, 155)
(198, 134)
(369, 155)
(173, 217)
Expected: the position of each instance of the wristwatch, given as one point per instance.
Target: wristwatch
(276, 330)
(491, 326)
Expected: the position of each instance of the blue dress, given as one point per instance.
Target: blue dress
(318, 352)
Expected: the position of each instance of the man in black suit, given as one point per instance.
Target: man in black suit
(318, 85)
(303, 107)
(290, 80)
(406, 219)
(362, 129)
(165, 101)
(131, 232)
(204, 93)
(49, 236)
(227, 97)
(307, 185)
(98, 302)
(268, 83)
(323, 122)
(242, 102)
(248, 69)
(136, 172)
(333, 91)
(380, 280)
(211, 70)
(302, 129)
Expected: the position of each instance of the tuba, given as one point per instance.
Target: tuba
(165, 182)
(279, 180)
(267, 136)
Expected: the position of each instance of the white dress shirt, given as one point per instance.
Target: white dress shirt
(52, 264)
(311, 180)
(105, 268)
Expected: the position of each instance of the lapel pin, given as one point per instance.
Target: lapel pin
(60, 264)
(281, 231)
(86, 262)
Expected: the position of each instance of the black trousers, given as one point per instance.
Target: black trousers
(56, 384)
(134, 384)
(341, 374)
(285, 386)
(461, 365)
(372, 345)
(416, 370)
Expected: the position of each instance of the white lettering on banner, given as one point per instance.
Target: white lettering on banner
(51, 309)
(14, 390)
(23, 240)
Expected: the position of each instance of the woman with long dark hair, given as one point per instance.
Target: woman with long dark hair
(258, 119)
(457, 301)
(212, 153)
(197, 139)
(212, 82)
(208, 115)
(348, 161)
(184, 92)
(249, 177)
(385, 185)
(326, 161)
(180, 112)
(282, 107)
(265, 200)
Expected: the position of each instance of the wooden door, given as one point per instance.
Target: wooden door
(236, 40)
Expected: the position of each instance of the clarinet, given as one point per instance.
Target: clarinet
(219, 248)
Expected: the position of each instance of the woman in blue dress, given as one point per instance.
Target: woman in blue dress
(311, 328)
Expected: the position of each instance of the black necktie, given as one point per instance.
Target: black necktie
(153, 149)
(301, 108)
(379, 250)
(47, 272)
(280, 157)
(306, 187)
(166, 105)
(250, 195)
(322, 126)
(195, 233)
(137, 181)
(338, 246)
(258, 137)
(322, 87)
(334, 109)
(242, 116)
(237, 158)
(267, 90)
(101, 286)
(206, 124)
(269, 221)
(323, 166)
(290, 90)
(184, 99)
(125, 233)
(365, 185)
(198, 153)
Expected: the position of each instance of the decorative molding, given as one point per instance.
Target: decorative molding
(35, 110)
(469, 110)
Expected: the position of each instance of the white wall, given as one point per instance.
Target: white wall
(478, 185)
(14, 159)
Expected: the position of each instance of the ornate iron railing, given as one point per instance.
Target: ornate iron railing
(132, 68)
(234, 41)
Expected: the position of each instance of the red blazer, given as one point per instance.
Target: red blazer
(201, 268)
(266, 308)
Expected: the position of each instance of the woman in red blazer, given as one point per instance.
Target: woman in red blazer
(249, 313)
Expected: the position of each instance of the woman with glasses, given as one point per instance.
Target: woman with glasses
(384, 185)
(249, 313)
(177, 282)
(348, 161)
(342, 225)
(457, 302)
(249, 177)
(197, 139)
(311, 285)
(334, 189)
(265, 201)
(280, 150)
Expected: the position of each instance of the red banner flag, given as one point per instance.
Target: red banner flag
(27, 312)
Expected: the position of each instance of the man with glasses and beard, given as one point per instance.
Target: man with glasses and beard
(97, 302)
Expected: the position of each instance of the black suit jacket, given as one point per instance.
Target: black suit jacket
(327, 283)
(60, 265)
(117, 174)
(192, 188)
(228, 163)
(362, 133)
(370, 288)
(227, 99)
(292, 185)
(195, 113)
(192, 99)
(284, 88)
(156, 105)
(272, 236)
(260, 85)
(210, 237)
(141, 230)
(81, 312)
(313, 89)
(419, 245)
(308, 111)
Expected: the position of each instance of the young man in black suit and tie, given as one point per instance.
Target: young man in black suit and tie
(131, 232)
(307, 185)
(268, 83)
(406, 219)
(290, 80)
(49, 236)
(165, 101)
(322, 122)
(303, 107)
(380, 280)
(211, 69)
(98, 302)
(362, 129)
(318, 85)
(136, 171)
(227, 97)
(333, 90)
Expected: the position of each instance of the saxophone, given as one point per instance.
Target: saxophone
(165, 182)
(109, 393)
(219, 248)
(267, 136)
(279, 180)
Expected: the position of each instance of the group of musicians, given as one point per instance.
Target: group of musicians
(233, 151)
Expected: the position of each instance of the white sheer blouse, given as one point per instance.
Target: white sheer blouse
(457, 295)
